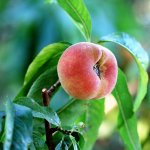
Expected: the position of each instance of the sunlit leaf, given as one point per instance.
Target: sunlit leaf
(140, 56)
(127, 123)
(77, 10)
(46, 54)
(39, 111)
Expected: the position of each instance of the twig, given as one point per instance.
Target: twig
(46, 100)
(67, 132)
(53, 87)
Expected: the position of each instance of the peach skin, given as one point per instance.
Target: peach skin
(87, 71)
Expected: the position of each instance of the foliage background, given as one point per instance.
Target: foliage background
(27, 26)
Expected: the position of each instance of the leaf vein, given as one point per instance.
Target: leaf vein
(125, 122)
(82, 20)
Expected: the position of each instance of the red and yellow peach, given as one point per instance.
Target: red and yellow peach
(87, 71)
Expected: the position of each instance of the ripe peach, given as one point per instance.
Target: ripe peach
(87, 71)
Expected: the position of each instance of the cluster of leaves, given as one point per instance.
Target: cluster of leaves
(21, 121)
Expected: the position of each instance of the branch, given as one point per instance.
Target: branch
(46, 94)
(53, 87)
(46, 101)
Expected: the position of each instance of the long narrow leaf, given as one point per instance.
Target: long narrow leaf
(77, 10)
(140, 56)
(93, 118)
(126, 120)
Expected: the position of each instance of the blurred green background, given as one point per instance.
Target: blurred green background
(27, 26)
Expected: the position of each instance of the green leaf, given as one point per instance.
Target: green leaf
(18, 127)
(140, 56)
(46, 54)
(90, 112)
(126, 120)
(9, 124)
(133, 46)
(92, 118)
(77, 10)
(46, 59)
(39, 111)
(60, 99)
(70, 111)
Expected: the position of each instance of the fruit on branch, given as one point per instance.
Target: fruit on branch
(87, 71)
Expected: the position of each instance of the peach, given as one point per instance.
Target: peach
(87, 71)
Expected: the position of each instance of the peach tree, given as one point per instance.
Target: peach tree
(61, 103)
